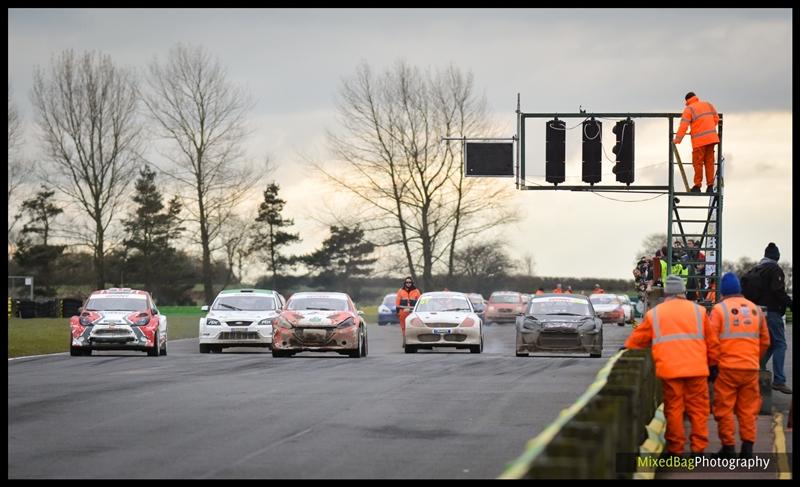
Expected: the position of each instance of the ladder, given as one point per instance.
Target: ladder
(696, 217)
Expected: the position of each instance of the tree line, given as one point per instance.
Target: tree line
(112, 138)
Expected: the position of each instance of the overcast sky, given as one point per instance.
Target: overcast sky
(293, 62)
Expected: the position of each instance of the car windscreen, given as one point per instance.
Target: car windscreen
(116, 304)
(604, 299)
(476, 301)
(559, 306)
(389, 300)
(244, 303)
(427, 304)
(505, 298)
(311, 303)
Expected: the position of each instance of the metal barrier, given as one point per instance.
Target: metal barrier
(609, 418)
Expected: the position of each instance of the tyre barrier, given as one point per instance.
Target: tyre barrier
(609, 418)
(54, 308)
(69, 307)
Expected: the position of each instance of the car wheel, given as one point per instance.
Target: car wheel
(164, 349)
(359, 351)
(410, 349)
(281, 353)
(217, 349)
(155, 350)
(76, 352)
(621, 323)
(595, 355)
(366, 347)
(204, 348)
(476, 348)
(522, 354)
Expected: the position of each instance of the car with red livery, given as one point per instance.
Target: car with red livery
(118, 319)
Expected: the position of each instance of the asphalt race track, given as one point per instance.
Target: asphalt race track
(245, 414)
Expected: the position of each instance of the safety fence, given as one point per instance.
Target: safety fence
(53, 308)
(609, 418)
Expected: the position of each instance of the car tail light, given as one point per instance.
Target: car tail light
(468, 322)
(416, 322)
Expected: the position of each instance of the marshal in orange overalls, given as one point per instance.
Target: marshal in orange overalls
(405, 301)
(684, 345)
(743, 340)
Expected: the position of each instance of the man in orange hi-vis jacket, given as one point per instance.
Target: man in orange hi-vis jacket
(407, 297)
(684, 345)
(702, 117)
(743, 340)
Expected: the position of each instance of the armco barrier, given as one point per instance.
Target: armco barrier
(607, 419)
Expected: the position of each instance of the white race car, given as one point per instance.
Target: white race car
(240, 318)
(443, 319)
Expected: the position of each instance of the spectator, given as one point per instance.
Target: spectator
(773, 296)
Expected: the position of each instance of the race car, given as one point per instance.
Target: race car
(118, 319)
(319, 322)
(559, 323)
(239, 318)
(443, 319)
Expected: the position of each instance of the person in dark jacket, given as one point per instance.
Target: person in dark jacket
(775, 299)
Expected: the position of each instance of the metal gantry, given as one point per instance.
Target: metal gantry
(700, 218)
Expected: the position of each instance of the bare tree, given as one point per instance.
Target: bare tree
(396, 164)
(203, 116)
(650, 244)
(16, 171)
(86, 109)
(528, 263)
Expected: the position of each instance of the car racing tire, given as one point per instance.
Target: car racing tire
(155, 350)
(621, 323)
(281, 353)
(522, 354)
(205, 348)
(359, 351)
(476, 348)
(164, 350)
(410, 349)
(76, 352)
(595, 355)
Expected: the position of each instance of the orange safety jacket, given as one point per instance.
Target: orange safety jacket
(703, 119)
(558, 291)
(683, 340)
(743, 332)
(406, 298)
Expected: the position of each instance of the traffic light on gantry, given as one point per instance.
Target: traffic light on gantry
(592, 151)
(555, 151)
(624, 130)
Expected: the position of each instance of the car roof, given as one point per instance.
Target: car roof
(120, 292)
(247, 291)
(444, 294)
(559, 295)
(319, 294)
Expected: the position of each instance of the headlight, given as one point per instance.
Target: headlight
(265, 322)
(416, 322)
(468, 322)
(85, 321)
(346, 323)
(531, 324)
(282, 322)
(212, 322)
(142, 321)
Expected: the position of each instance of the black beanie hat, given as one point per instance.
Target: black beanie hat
(689, 95)
(772, 252)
